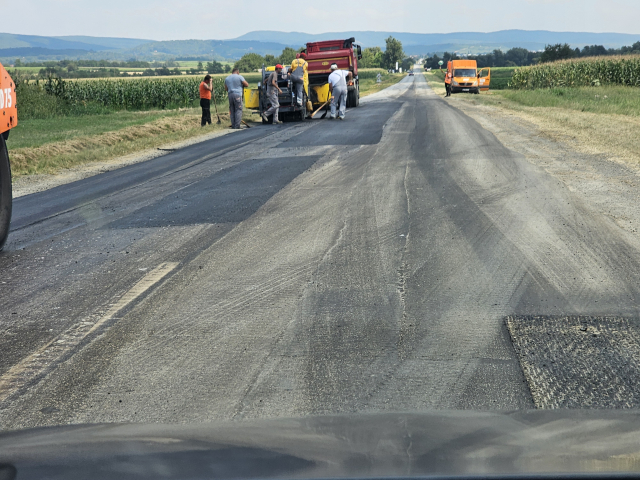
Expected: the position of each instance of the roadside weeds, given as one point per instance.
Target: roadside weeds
(370, 85)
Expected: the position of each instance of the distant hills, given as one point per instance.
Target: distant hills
(40, 48)
(11, 40)
(33, 47)
(421, 43)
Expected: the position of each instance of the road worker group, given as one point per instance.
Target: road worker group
(298, 75)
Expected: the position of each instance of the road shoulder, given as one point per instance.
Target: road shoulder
(608, 182)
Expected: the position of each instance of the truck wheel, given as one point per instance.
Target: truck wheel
(303, 110)
(5, 192)
(351, 98)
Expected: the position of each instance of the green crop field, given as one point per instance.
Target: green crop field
(194, 63)
(134, 94)
(500, 77)
(581, 72)
(30, 70)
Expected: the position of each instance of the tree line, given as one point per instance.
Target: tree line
(564, 51)
(514, 57)
(86, 63)
(250, 62)
(104, 69)
(372, 57)
(375, 57)
(521, 57)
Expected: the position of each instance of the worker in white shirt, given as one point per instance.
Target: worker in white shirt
(338, 88)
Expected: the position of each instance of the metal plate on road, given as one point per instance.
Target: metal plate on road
(579, 361)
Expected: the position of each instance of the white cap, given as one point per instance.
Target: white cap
(334, 66)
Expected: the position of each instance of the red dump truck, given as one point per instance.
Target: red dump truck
(320, 56)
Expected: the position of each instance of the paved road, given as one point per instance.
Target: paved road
(319, 267)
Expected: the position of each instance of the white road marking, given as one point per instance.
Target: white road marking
(36, 363)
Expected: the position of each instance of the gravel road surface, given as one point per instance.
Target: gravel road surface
(317, 267)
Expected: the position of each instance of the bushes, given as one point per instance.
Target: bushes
(579, 73)
(33, 102)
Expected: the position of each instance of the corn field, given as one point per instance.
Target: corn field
(132, 94)
(582, 72)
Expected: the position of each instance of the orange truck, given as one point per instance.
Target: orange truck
(8, 120)
(465, 76)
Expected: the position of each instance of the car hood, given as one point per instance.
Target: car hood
(439, 443)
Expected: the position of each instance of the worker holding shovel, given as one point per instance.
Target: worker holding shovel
(233, 84)
(338, 88)
(206, 87)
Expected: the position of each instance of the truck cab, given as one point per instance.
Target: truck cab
(465, 76)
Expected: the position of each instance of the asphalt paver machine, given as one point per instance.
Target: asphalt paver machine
(256, 98)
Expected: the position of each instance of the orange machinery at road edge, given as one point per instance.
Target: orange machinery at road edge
(8, 120)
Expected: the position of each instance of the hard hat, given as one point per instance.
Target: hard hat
(278, 66)
(334, 66)
(303, 55)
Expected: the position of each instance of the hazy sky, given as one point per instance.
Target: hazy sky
(215, 19)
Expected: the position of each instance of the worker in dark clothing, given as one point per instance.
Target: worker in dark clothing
(272, 95)
(206, 87)
(233, 84)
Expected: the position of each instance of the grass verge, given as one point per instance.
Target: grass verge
(369, 85)
(50, 145)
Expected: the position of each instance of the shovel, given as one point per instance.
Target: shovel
(320, 108)
(245, 123)
(215, 104)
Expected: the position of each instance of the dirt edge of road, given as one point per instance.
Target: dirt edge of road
(608, 182)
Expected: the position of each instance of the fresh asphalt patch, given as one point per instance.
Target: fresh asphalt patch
(362, 126)
(39, 206)
(229, 196)
(579, 361)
